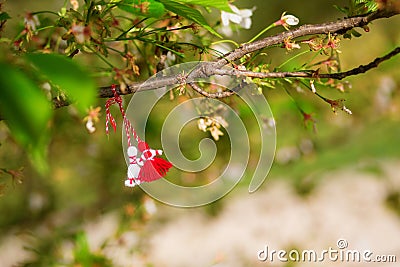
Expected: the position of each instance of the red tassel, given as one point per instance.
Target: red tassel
(154, 169)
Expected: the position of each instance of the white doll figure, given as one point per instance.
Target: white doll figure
(134, 167)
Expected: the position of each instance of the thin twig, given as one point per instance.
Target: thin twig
(263, 75)
(76, 51)
(309, 73)
(211, 95)
(362, 68)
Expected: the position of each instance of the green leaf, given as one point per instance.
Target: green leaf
(84, 257)
(4, 16)
(189, 13)
(82, 251)
(355, 33)
(148, 8)
(366, 6)
(26, 111)
(220, 4)
(359, 7)
(68, 75)
(344, 10)
(347, 35)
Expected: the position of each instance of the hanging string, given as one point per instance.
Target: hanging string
(129, 130)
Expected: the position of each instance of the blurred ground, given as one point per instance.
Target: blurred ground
(346, 204)
(349, 203)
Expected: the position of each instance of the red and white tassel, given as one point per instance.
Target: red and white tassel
(154, 167)
(146, 168)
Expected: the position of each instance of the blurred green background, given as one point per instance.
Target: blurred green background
(49, 215)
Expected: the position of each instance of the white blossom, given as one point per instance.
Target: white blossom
(287, 20)
(241, 17)
(75, 4)
(31, 21)
(290, 20)
(201, 124)
(212, 125)
(150, 206)
(90, 126)
(348, 111)
(215, 132)
(92, 118)
(170, 59)
(81, 32)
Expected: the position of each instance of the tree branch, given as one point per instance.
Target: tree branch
(309, 73)
(339, 27)
(211, 95)
(105, 92)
